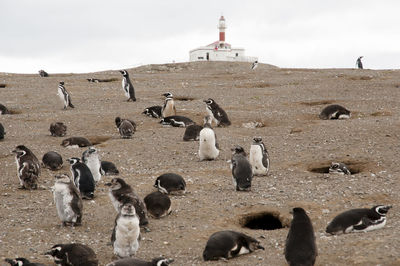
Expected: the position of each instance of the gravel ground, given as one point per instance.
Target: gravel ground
(285, 101)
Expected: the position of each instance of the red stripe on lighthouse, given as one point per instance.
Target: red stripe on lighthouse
(222, 36)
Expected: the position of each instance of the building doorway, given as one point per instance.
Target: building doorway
(208, 56)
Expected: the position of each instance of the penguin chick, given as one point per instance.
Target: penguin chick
(218, 114)
(208, 145)
(68, 200)
(52, 160)
(339, 168)
(22, 262)
(90, 157)
(229, 244)
(82, 177)
(241, 170)
(158, 204)
(28, 167)
(108, 168)
(125, 127)
(76, 141)
(259, 157)
(126, 233)
(58, 129)
(138, 262)
(300, 247)
(73, 255)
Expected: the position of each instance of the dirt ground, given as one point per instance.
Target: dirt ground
(286, 102)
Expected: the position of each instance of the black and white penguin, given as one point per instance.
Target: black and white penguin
(43, 73)
(229, 244)
(259, 157)
(4, 110)
(170, 183)
(82, 177)
(153, 111)
(93, 80)
(168, 108)
(90, 157)
(76, 142)
(177, 121)
(359, 220)
(68, 201)
(242, 172)
(208, 145)
(126, 127)
(64, 95)
(28, 167)
(108, 168)
(218, 114)
(73, 254)
(22, 262)
(339, 168)
(121, 192)
(334, 111)
(300, 247)
(254, 65)
(52, 160)
(126, 233)
(58, 129)
(137, 262)
(359, 63)
(2, 132)
(158, 204)
(127, 86)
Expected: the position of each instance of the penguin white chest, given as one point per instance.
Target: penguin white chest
(126, 236)
(125, 87)
(114, 201)
(256, 160)
(93, 163)
(207, 149)
(210, 113)
(61, 95)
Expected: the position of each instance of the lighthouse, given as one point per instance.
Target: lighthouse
(220, 50)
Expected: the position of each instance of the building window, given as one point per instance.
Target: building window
(200, 57)
(237, 54)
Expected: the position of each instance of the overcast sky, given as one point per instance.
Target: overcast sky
(87, 36)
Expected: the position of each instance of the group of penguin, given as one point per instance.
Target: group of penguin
(132, 212)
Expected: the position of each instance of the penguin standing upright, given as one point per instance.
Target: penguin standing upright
(82, 177)
(127, 86)
(73, 254)
(169, 105)
(359, 63)
(121, 192)
(218, 114)
(28, 167)
(259, 157)
(359, 220)
(208, 145)
(137, 262)
(241, 170)
(300, 247)
(126, 232)
(64, 95)
(229, 244)
(68, 201)
(254, 65)
(90, 157)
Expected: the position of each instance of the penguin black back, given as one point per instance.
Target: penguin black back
(158, 204)
(52, 160)
(127, 86)
(153, 111)
(82, 177)
(300, 248)
(108, 168)
(192, 132)
(73, 254)
(218, 114)
(4, 110)
(137, 262)
(22, 262)
(170, 183)
(2, 132)
(334, 111)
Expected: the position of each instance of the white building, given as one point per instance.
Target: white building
(220, 50)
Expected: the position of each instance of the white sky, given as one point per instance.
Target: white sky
(87, 36)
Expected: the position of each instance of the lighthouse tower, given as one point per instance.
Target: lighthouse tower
(222, 27)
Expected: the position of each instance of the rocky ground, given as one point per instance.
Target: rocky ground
(285, 102)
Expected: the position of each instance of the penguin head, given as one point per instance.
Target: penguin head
(118, 121)
(116, 183)
(207, 120)
(298, 211)
(238, 150)
(382, 209)
(73, 160)
(209, 101)
(56, 252)
(20, 151)
(62, 83)
(161, 261)
(89, 152)
(18, 261)
(124, 73)
(62, 178)
(127, 209)
(339, 168)
(168, 95)
(257, 140)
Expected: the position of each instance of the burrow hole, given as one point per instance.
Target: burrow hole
(262, 221)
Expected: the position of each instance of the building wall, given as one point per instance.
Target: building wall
(200, 54)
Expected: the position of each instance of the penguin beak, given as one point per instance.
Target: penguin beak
(260, 247)
(205, 101)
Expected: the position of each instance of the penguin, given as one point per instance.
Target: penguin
(242, 172)
(192, 132)
(300, 247)
(127, 86)
(93, 80)
(43, 73)
(177, 121)
(359, 63)
(108, 168)
(82, 177)
(158, 204)
(120, 192)
(64, 95)
(208, 145)
(359, 220)
(68, 201)
(153, 111)
(229, 244)
(73, 255)
(254, 65)
(22, 262)
(58, 129)
(339, 168)
(169, 105)
(90, 157)
(126, 233)
(126, 127)
(334, 111)
(137, 262)
(218, 115)
(259, 157)
(52, 160)
(2, 132)
(76, 142)
(4, 110)
(170, 183)
(28, 167)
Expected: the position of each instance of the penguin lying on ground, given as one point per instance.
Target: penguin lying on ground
(334, 111)
(73, 254)
(76, 141)
(170, 183)
(22, 262)
(153, 111)
(52, 160)
(58, 129)
(138, 262)
(158, 204)
(177, 121)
